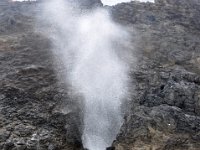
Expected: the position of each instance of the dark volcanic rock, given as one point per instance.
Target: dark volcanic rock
(159, 127)
(32, 116)
(38, 112)
(165, 104)
(110, 148)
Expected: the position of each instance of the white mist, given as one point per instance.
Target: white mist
(86, 46)
(100, 76)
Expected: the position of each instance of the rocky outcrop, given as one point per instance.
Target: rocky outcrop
(32, 116)
(183, 3)
(165, 102)
(38, 111)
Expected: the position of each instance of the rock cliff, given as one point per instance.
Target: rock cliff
(165, 109)
(32, 116)
(38, 111)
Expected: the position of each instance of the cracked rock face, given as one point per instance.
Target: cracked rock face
(165, 105)
(38, 112)
(32, 116)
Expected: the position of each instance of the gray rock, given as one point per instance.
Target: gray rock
(165, 100)
(165, 105)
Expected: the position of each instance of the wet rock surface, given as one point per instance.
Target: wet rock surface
(38, 112)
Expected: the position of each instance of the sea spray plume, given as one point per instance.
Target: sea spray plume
(86, 46)
(101, 77)
(58, 15)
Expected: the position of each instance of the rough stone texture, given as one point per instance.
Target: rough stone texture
(32, 116)
(38, 112)
(165, 111)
